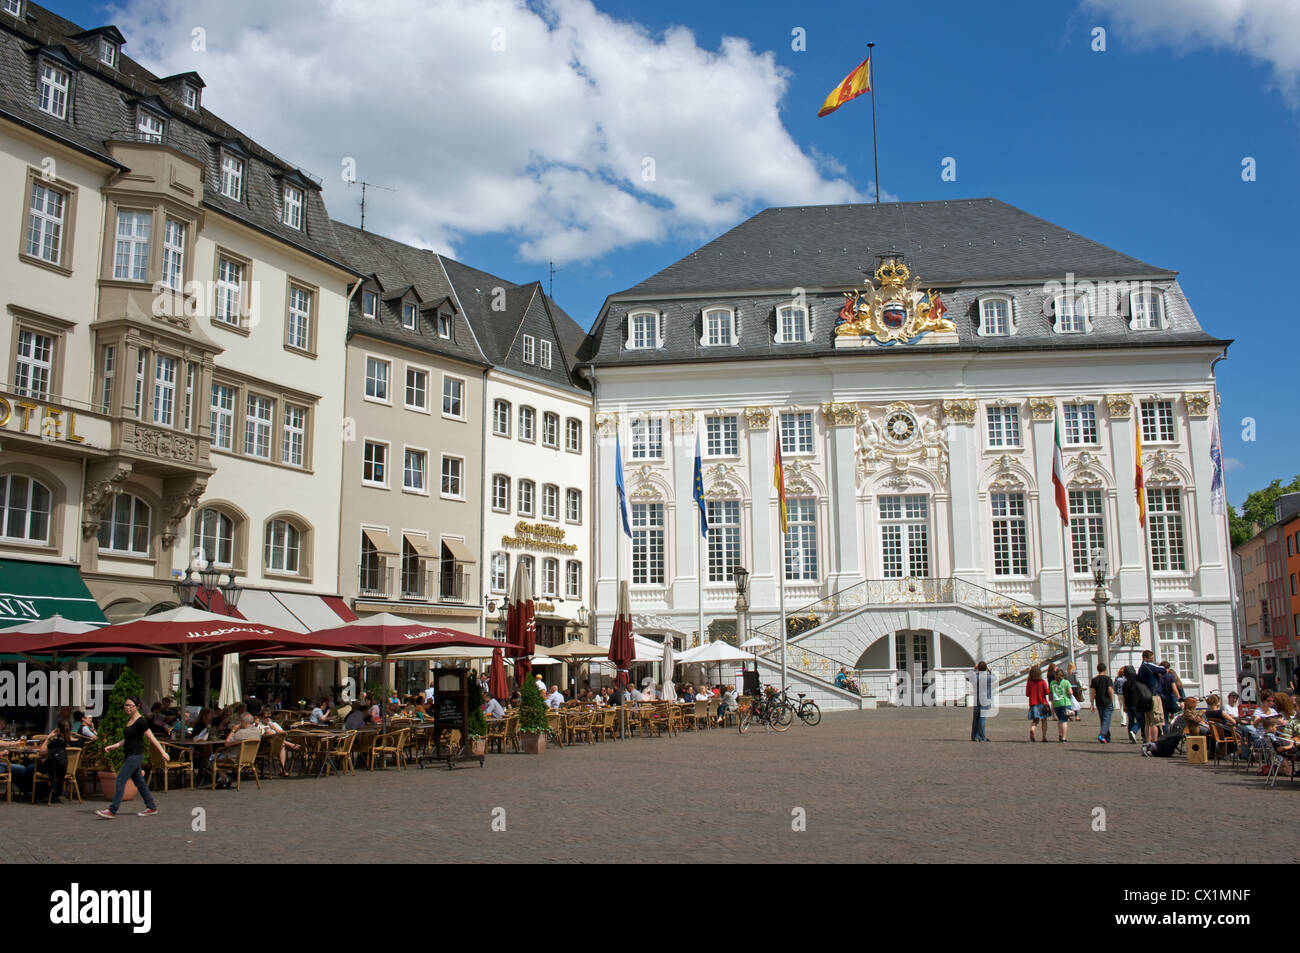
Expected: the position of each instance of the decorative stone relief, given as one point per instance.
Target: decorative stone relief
(722, 484)
(902, 436)
(758, 418)
(959, 411)
(643, 486)
(1198, 404)
(796, 479)
(655, 622)
(1006, 475)
(180, 495)
(104, 480)
(607, 424)
(1173, 609)
(1087, 470)
(1042, 408)
(1119, 405)
(682, 421)
(1159, 468)
(839, 415)
(168, 446)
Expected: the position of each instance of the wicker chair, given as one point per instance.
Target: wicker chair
(338, 751)
(512, 731)
(580, 726)
(238, 757)
(711, 717)
(69, 779)
(496, 734)
(363, 748)
(700, 717)
(182, 762)
(394, 744)
(6, 780)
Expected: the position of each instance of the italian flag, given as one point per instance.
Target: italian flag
(1058, 478)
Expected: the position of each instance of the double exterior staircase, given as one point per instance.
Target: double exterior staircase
(1010, 635)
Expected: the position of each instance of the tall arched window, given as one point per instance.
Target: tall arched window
(124, 527)
(24, 509)
(283, 547)
(214, 537)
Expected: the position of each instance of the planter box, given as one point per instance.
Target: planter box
(533, 743)
(108, 786)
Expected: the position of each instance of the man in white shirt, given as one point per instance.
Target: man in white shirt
(555, 699)
(493, 709)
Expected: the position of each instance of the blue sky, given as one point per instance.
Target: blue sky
(1139, 147)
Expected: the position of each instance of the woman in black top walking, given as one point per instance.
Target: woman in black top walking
(132, 743)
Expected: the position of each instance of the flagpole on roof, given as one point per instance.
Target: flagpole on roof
(871, 76)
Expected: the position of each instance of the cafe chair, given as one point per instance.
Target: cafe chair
(338, 751)
(69, 779)
(182, 762)
(496, 735)
(238, 757)
(391, 744)
(363, 747)
(6, 780)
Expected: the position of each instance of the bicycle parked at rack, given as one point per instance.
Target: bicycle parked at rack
(805, 708)
(765, 709)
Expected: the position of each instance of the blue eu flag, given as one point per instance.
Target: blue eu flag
(699, 491)
(618, 481)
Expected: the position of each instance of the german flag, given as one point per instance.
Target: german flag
(854, 85)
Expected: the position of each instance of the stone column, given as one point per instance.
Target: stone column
(846, 568)
(1212, 568)
(763, 525)
(1130, 574)
(963, 478)
(1051, 577)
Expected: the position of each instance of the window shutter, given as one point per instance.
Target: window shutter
(659, 329)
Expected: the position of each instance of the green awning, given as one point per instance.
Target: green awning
(31, 591)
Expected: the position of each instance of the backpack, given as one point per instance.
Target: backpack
(1141, 696)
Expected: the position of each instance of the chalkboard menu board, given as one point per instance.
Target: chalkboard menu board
(449, 714)
(451, 700)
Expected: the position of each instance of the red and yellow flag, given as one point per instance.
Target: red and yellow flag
(778, 481)
(854, 85)
(1138, 485)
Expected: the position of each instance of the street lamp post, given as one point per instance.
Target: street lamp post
(741, 575)
(187, 591)
(1100, 566)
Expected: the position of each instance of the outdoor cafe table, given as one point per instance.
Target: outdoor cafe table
(201, 751)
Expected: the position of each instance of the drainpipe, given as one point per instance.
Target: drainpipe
(482, 509)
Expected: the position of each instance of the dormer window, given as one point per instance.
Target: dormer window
(107, 52)
(293, 197)
(190, 96)
(54, 86)
(644, 331)
(410, 316)
(149, 126)
(530, 348)
(444, 325)
(12, 7)
(792, 325)
(370, 304)
(719, 328)
(1148, 309)
(1072, 315)
(995, 317)
(232, 177)
(544, 354)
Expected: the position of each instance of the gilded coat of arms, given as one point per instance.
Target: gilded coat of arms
(892, 309)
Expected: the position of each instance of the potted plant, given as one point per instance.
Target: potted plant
(533, 726)
(477, 726)
(110, 730)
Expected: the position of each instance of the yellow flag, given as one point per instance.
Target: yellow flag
(778, 481)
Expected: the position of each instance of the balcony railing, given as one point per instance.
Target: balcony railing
(449, 582)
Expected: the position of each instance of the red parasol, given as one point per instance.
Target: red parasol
(521, 623)
(498, 687)
(620, 643)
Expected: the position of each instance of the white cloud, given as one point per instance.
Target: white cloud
(1268, 30)
(548, 141)
(1232, 464)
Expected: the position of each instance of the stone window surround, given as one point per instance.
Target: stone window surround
(279, 396)
(56, 328)
(67, 236)
(58, 503)
(161, 211)
(239, 526)
(306, 538)
(313, 318)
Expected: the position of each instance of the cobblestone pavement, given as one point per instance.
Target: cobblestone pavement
(896, 785)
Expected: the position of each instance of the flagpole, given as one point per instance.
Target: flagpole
(780, 581)
(875, 155)
(1069, 611)
(699, 574)
(1151, 599)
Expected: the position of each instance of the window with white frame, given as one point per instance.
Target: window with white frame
(108, 367)
(294, 445)
(45, 223)
(500, 571)
(995, 317)
(259, 413)
(34, 364)
(792, 325)
(415, 465)
(377, 379)
(721, 436)
(1087, 528)
(223, 417)
(149, 126)
(1081, 424)
(573, 579)
(124, 526)
(797, 432)
(643, 331)
(417, 389)
(292, 201)
(530, 345)
(1004, 426)
(724, 539)
(573, 435)
(550, 502)
(904, 536)
(453, 477)
(299, 330)
(1071, 314)
(283, 547)
(527, 424)
(54, 86)
(501, 418)
(164, 389)
(107, 51)
(718, 328)
(1158, 421)
(550, 577)
(801, 540)
(1176, 646)
(551, 430)
(173, 259)
(230, 280)
(573, 505)
(190, 96)
(12, 7)
(374, 463)
(648, 544)
(141, 362)
(544, 354)
(444, 324)
(410, 316)
(647, 439)
(24, 509)
(1148, 309)
(214, 537)
(453, 394)
(1165, 525)
(131, 246)
(527, 491)
(1010, 534)
(501, 493)
(370, 304)
(232, 177)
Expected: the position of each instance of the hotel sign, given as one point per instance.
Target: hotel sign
(539, 536)
(47, 421)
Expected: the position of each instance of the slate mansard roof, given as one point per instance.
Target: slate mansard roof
(966, 249)
(103, 102)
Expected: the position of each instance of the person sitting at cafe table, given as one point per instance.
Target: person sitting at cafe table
(515, 698)
(320, 715)
(247, 731)
(266, 725)
(83, 725)
(493, 708)
(355, 720)
(20, 775)
(555, 699)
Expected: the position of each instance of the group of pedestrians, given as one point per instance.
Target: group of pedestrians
(1056, 695)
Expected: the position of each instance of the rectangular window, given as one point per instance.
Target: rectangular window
(131, 249)
(501, 418)
(904, 536)
(550, 577)
(527, 424)
(410, 316)
(551, 430)
(148, 127)
(529, 344)
(173, 261)
(1146, 312)
(1010, 535)
(54, 91)
(550, 502)
(572, 580)
(544, 350)
(648, 544)
(1004, 426)
(527, 490)
(13, 7)
(801, 540)
(1087, 531)
(258, 417)
(45, 224)
(647, 439)
(164, 389)
(299, 330)
(413, 470)
(453, 391)
(34, 365)
(370, 304)
(141, 359)
(724, 539)
(230, 279)
(573, 505)
(1070, 314)
(500, 571)
(721, 437)
(453, 472)
(107, 52)
(797, 432)
(644, 331)
(1081, 424)
(501, 493)
(374, 464)
(191, 97)
(573, 435)
(106, 387)
(1158, 421)
(417, 389)
(995, 316)
(444, 325)
(294, 451)
(1176, 648)
(794, 324)
(232, 177)
(293, 206)
(223, 417)
(1165, 522)
(717, 328)
(377, 379)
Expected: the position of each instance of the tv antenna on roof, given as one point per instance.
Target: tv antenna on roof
(551, 294)
(364, 186)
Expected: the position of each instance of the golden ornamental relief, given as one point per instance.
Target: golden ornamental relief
(1119, 405)
(1198, 404)
(840, 415)
(959, 411)
(758, 418)
(1042, 408)
(892, 309)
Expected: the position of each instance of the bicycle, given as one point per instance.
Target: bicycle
(805, 708)
(764, 710)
